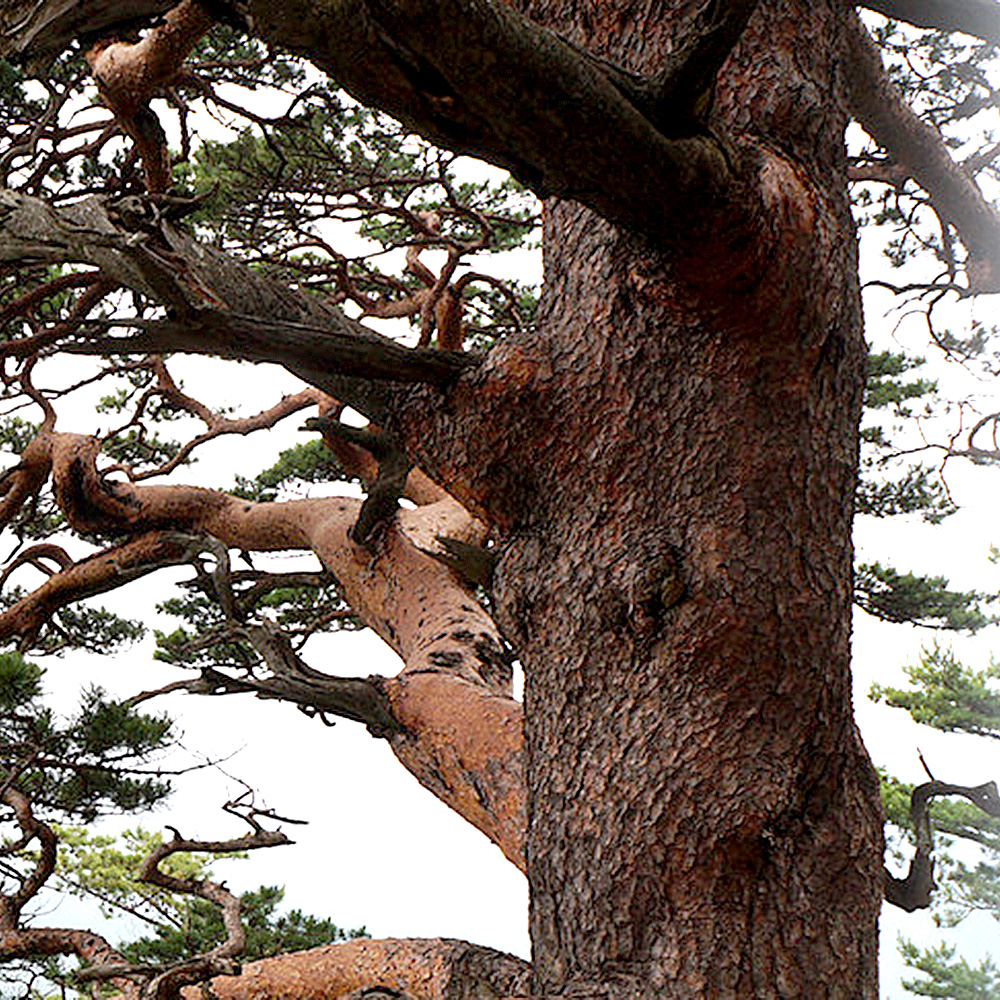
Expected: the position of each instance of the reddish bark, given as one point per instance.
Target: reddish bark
(704, 821)
(131, 73)
(433, 969)
(458, 729)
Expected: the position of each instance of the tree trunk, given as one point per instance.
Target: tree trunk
(700, 805)
(673, 454)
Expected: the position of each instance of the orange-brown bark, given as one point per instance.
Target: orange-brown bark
(423, 969)
(131, 73)
(97, 574)
(460, 729)
(17, 941)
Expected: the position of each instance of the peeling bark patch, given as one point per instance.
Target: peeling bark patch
(496, 663)
(446, 659)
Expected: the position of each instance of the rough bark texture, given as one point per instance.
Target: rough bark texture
(432, 969)
(675, 574)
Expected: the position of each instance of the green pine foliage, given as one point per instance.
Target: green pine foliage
(949, 977)
(889, 486)
(921, 600)
(948, 695)
(309, 462)
(268, 931)
(100, 759)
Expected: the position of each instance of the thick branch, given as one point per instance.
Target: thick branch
(558, 117)
(302, 348)
(129, 74)
(914, 143)
(686, 85)
(430, 969)
(222, 307)
(455, 724)
(546, 111)
(979, 18)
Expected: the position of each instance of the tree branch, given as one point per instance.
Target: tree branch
(558, 118)
(426, 968)
(385, 490)
(220, 306)
(30, 942)
(220, 959)
(915, 890)
(914, 143)
(38, 32)
(97, 574)
(302, 348)
(684, 88)
(130, 73)
(456, 726)
(979, 18)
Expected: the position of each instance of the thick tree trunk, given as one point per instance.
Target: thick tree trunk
(703, 820)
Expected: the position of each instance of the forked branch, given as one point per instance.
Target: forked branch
(453, 722)
(129, 74)
(19, 941)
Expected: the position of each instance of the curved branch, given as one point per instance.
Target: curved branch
(220, 959)
(31, 829)
(130, 73)
(915, 891)
(34, 556)
(914, 143)
(218, 425)
(431, 969)
(455, 725)
(30, 942)
(979, 18)
(554, 115)
(106, 570)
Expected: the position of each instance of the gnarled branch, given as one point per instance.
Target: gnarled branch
(221, 307)
(918, 146)
(558, 118)
(915, 891)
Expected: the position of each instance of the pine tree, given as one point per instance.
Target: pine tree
(638, 479)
